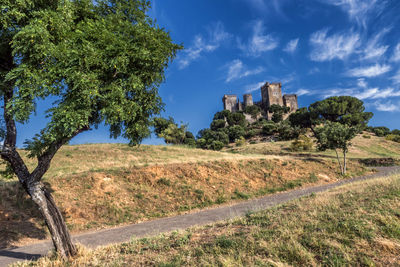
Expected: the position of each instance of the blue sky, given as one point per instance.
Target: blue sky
(316, 48)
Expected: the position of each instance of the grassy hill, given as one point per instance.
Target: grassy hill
(355, 225)
(102, 185)
(366, 145)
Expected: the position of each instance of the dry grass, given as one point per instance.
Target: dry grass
(354, 225)
(103, 198)
(97, 157)
(373, 147)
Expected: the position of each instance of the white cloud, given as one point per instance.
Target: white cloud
(291, 46)
(302, 91)
(200, 45)
(396, 53)
(336, 46)
(396, 77)
(237, 70)
(368, 93)
(388, 106)
(362, 83)
(259, 42)
(371, 71)
(374, 49)
(254, 87)
(357, 10)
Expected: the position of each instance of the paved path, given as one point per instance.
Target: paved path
(154, 227)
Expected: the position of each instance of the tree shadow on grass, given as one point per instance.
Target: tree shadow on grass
(19, 215)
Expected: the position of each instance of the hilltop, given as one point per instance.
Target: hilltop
(101, 185)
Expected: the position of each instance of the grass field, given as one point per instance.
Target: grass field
(353, 225)
(102, 185)
(362, 147)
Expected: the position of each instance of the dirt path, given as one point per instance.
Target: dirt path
(150, 228)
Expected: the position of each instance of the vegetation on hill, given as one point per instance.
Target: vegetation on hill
(113, 184)
(354, 225)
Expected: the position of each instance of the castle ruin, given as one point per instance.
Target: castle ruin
(271, 93)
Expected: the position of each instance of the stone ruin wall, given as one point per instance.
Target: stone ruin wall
(271, 93)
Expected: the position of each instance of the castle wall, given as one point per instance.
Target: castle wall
(230, 103)
(291, 102)
(271, 93)
(247, 100)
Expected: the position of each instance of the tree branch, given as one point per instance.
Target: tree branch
(9, 152)
(44, 159)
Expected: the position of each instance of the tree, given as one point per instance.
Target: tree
(335, 135)
(101, 60)
(160, 124)
(346, 110)
(278, 112)
(174, 134)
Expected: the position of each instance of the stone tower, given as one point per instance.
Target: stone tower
(291, 102)
(230, 102)
(271, 93)
(247, 100)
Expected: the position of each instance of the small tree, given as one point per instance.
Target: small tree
(335, 135)
(101, 60)
(278, 112)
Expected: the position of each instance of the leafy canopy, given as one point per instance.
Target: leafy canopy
(101, 61)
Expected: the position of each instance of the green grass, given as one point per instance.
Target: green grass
(355, 225)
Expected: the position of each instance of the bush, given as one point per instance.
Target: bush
(396, 132)
(252, 132)
(269, 128)
(302, 143)
(381, 131)
(287, 132)
(393, 137)
(216, 145)
(217, 124)
(253, 110)
(240, 141)
(236, 132)
(237, 118)
(367, 136)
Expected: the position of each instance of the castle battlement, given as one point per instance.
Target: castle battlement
(271, 93)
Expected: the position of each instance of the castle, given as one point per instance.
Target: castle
(271, 93)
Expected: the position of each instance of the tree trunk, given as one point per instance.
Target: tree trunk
(340, 164)
(54, 220)
(344, 161)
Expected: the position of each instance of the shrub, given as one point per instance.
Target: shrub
(396, 132)
(381, 131)
(302, 143)
(286, 131)
(236, 132)
(217, 124)
(237, 118)
(240, 141)
(253, 110)
(393, 137)
(216, 145)
(366, 136)
(269, 128)
(251, 133)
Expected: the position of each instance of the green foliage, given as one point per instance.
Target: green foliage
(396, 132)
(240, 141)
(393, 137)
(174, 134)
(160, 124)
(223, 115)
(253, 110)
(335, 135)
(346, 110)
(302, 143)
(380, 131)
(209, 139)
(217, 124)
(269, 128)
(102, 60)
(237, 118)
(301, 118)
(278, 112)
(190, 140)
(286, 131)
(236, 132)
